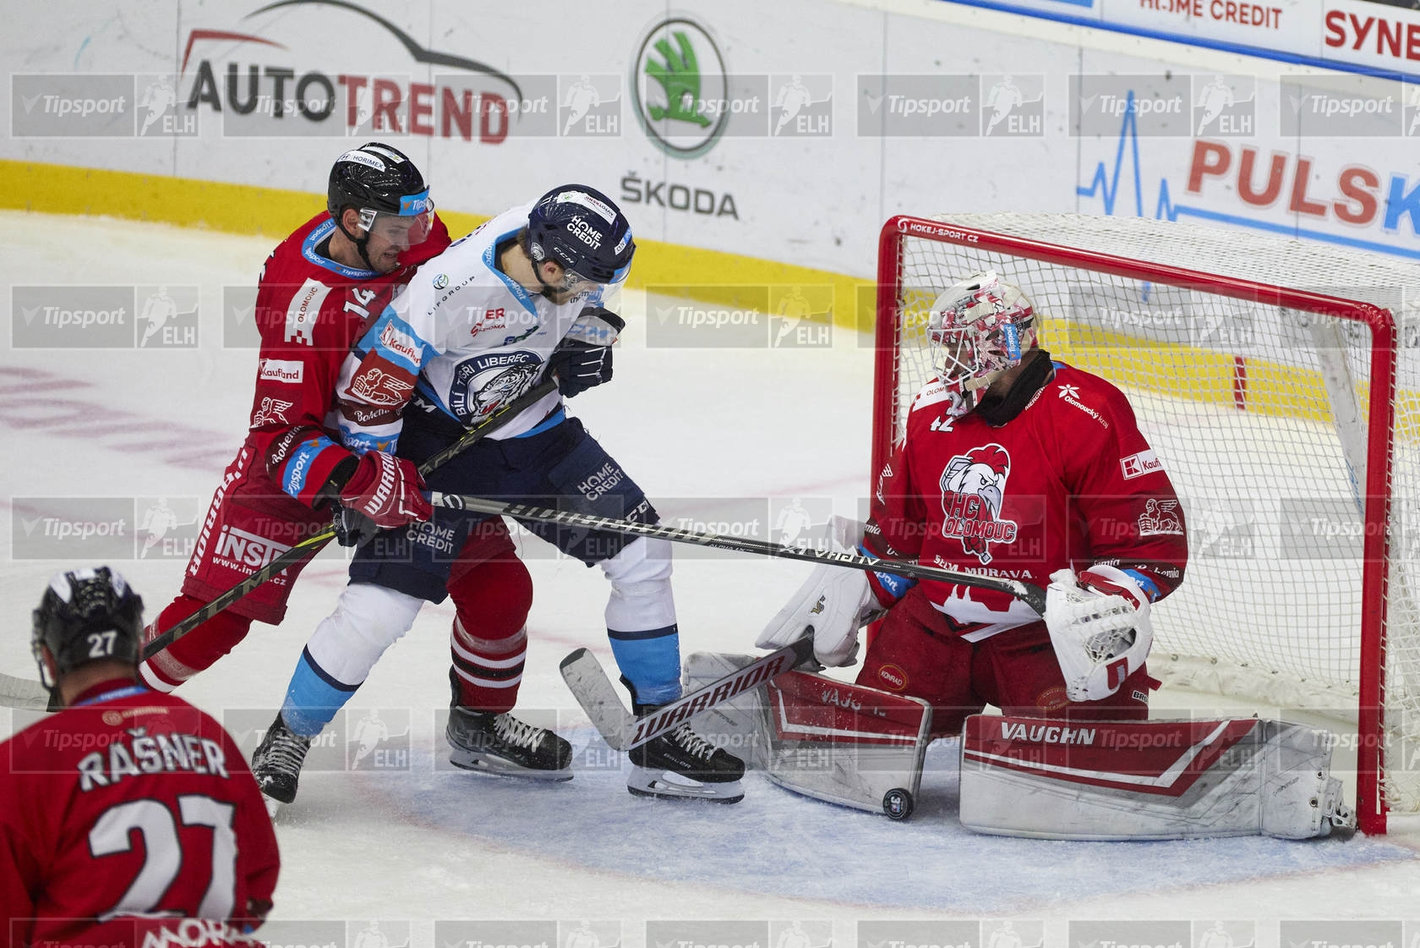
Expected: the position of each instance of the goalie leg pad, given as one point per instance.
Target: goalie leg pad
(1053, 779)
(847, 743)
(827, 739)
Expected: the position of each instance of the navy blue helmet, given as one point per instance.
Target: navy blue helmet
(580, 228)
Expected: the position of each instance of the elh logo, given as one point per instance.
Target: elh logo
(1013, 106)
(1224, 106)
(588, 106)
(801, 106)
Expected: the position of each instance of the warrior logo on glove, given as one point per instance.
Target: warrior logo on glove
(973, 491)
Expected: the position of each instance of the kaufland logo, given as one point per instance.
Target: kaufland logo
(263, 83)
(1137, 465)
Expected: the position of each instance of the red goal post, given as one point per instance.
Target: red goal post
(1291, 421)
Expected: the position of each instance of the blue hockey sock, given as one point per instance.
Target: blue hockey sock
(650, 660)
(313, 698)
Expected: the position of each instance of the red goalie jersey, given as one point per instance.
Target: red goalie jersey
(1068, 482)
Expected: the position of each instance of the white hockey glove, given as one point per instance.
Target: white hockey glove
(833, 604)
(1101, 636)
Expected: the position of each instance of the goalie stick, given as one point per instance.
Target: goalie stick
(23, 693)
(1028, 593)
(622, 730)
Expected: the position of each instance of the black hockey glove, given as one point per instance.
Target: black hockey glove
(583, 359)
(352, 528)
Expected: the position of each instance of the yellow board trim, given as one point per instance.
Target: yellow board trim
(710, 276)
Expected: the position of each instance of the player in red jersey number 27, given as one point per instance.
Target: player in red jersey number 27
(129, 817)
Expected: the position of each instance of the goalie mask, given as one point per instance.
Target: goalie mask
(978, 329)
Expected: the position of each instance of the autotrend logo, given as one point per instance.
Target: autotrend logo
(679, 88)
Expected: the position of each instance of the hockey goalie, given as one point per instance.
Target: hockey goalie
(1020, 466)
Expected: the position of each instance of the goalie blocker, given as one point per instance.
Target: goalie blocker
(1165, 779)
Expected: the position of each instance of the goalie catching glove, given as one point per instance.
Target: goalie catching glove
(833, 604)
(1099, 625)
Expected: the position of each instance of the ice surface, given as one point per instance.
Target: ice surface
(418, 843)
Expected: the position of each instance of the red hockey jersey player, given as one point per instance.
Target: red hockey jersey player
(129, 818)
(1015, 466)
(319, 290)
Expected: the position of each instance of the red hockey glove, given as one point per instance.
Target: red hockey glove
(386, 489)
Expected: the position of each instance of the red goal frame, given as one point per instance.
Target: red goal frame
(1370, 803)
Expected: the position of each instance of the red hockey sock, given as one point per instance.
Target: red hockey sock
(193, 652)
(489, 639)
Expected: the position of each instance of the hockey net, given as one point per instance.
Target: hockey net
(1279, 382)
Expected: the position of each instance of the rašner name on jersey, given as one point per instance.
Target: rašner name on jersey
(144, 754)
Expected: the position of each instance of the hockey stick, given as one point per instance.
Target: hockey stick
(1028, 593)
(312, 545)
(23, 693)
(622, 730)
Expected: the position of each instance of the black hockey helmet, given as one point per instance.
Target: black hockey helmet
(383, 184)
(87, 615)
(580, 228)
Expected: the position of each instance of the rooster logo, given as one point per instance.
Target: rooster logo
(973, 491)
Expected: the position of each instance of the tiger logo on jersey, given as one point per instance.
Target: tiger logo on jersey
(973, 491)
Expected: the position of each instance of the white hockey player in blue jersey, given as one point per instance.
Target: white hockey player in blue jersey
(518, 299)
